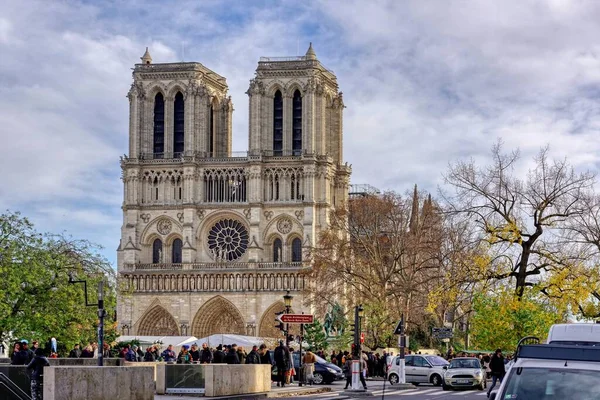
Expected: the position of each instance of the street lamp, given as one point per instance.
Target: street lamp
(101, 313)
(287, 301)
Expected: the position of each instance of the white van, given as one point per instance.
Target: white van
(575, 334)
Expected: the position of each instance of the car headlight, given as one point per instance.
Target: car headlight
(478, 373)
(330, 370)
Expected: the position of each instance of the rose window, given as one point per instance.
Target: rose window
(227, 240)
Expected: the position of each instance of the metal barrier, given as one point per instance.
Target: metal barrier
(10, 391)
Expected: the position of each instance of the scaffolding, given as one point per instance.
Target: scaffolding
(363, 190)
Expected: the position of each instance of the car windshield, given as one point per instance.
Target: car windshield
(552, 383)
(436, 361)
(465, 363)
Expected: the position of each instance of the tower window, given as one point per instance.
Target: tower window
(159, 125)
(211, 131)
(297, 124)
(178, 125)
(157, 256)
(176, 251)
(296, 250)
(278, 124)
(277, 248)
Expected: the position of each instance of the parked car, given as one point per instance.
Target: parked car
(325, 372)
(464, 372)
(418, 369)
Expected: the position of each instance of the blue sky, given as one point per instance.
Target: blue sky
(425, 83)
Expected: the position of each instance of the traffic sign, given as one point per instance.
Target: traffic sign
(399, 328)
(362, 338)
(296, 318)
(442, 333)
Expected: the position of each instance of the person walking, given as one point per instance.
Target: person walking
(265, 355)
(309, 361)
(37, 365)
(219, 356)
(497, 368)
(282, 358)
(348, 367)
(231, 357)
(206, 356)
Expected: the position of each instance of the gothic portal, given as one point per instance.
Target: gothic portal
(211, 240)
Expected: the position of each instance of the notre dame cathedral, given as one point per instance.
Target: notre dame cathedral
(212, 240)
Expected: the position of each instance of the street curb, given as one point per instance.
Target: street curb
(299, 392)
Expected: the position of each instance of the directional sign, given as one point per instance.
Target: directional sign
(296, 318)
(442, 333)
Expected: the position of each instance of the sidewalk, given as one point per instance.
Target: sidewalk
(288, 391)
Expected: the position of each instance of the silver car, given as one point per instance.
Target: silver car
(418, 369)
(464, 372)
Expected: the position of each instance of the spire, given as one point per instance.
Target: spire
(146, 58)
(414, 212)
(310, 53)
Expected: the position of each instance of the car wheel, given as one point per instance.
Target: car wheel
(436, 380)
(317, 378)
(394, 379)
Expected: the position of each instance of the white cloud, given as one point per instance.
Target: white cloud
(425, 83)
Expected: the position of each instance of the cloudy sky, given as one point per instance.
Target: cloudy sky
(425, 83)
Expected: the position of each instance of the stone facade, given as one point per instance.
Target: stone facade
(211, 240)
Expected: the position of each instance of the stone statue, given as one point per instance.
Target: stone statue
(327, 324)
(160, 256)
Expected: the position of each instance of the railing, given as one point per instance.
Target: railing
(289, 58)
(11, 390)
(238, 156)
(211, 266)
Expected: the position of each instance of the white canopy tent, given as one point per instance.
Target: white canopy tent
(241, 340)
(176, 341)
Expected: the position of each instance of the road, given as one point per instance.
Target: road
(422, 392)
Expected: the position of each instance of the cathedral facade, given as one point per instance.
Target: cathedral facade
(212, 240)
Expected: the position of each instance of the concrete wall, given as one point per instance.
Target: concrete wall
(90, 362)
(224, 380)
(98, 383)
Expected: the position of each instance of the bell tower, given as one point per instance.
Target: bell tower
(295, 108)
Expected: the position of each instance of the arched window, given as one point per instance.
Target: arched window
(176, 251)
(278, 124)
(296, 250)
(157, 256)
(297, 124)
(159, 125)
(178, 125)
(277, 250)
(211, 131)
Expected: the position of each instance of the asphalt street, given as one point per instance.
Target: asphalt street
(422, 392)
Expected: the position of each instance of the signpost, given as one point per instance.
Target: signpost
(296, 318)
(442, 333)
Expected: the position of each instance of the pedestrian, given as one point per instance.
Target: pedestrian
(37, 364)
(149, 355)
(231, 357)
(76, 352)
(282, 357)
(265, 355)
(241, 354)
(348, 367)
(497, 367)
(309, 361)
(23, 356)
(195, 353)
(219, 356)
(206, 356)
(88, 352)
(253, 357)
(168, 354)
(184, 355)
(291, 370)
(130, 354)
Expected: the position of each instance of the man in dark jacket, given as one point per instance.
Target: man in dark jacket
(76, 352)
(219, 356)
(37, 365)
(253, 357)
(265, 355)
(24, 356)
(497, 367)
(206, 355)
(282, 359)
(231, 357)
(195, 353)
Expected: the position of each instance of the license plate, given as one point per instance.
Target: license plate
(463, 381)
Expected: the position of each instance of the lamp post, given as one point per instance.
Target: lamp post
(358, 314)
(287, 301)
(101, 313)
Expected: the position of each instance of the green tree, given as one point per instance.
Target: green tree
(36, 300)
(502, 319)
(315, 336)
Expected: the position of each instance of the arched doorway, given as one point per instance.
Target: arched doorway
(218, 315)
(267, 327)
(157, 322)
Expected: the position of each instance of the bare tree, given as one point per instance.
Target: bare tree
(517, 218)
